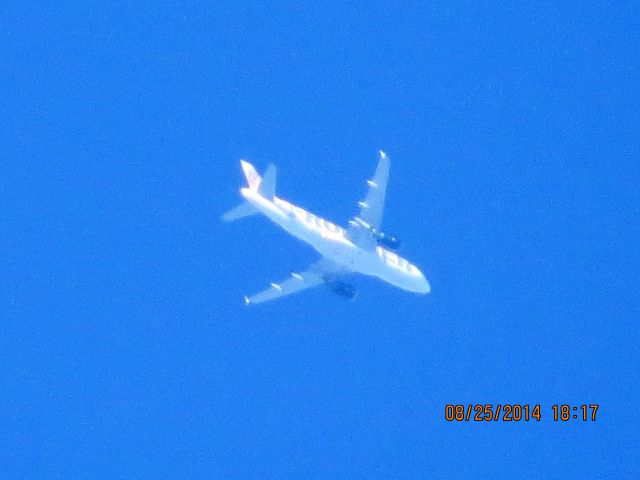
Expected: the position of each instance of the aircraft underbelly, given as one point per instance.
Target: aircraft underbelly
(349, 256)
(337, 249)
(344, 253)
(334, 246)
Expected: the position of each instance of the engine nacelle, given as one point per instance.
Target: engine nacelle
(389, 241)
(340, 288)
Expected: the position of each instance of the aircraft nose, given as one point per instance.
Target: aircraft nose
(423, 285)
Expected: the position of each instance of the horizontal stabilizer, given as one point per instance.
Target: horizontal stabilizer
(243, 210)
(268, 185)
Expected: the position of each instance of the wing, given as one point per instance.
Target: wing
(313, 276)
(372, 207)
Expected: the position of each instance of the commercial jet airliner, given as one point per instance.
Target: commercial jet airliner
(358, 249)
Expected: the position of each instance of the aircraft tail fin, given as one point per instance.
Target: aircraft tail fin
(243, 210)
(266, 185)
(253, 178)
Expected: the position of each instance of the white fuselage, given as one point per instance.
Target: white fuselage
(331, 241)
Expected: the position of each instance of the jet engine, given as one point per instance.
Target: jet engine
(340, 288)
(389, 241)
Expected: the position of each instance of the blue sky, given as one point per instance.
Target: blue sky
(127, 351)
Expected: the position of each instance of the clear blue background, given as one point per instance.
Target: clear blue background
(126, 350)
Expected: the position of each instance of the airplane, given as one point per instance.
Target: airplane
(358, 249)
